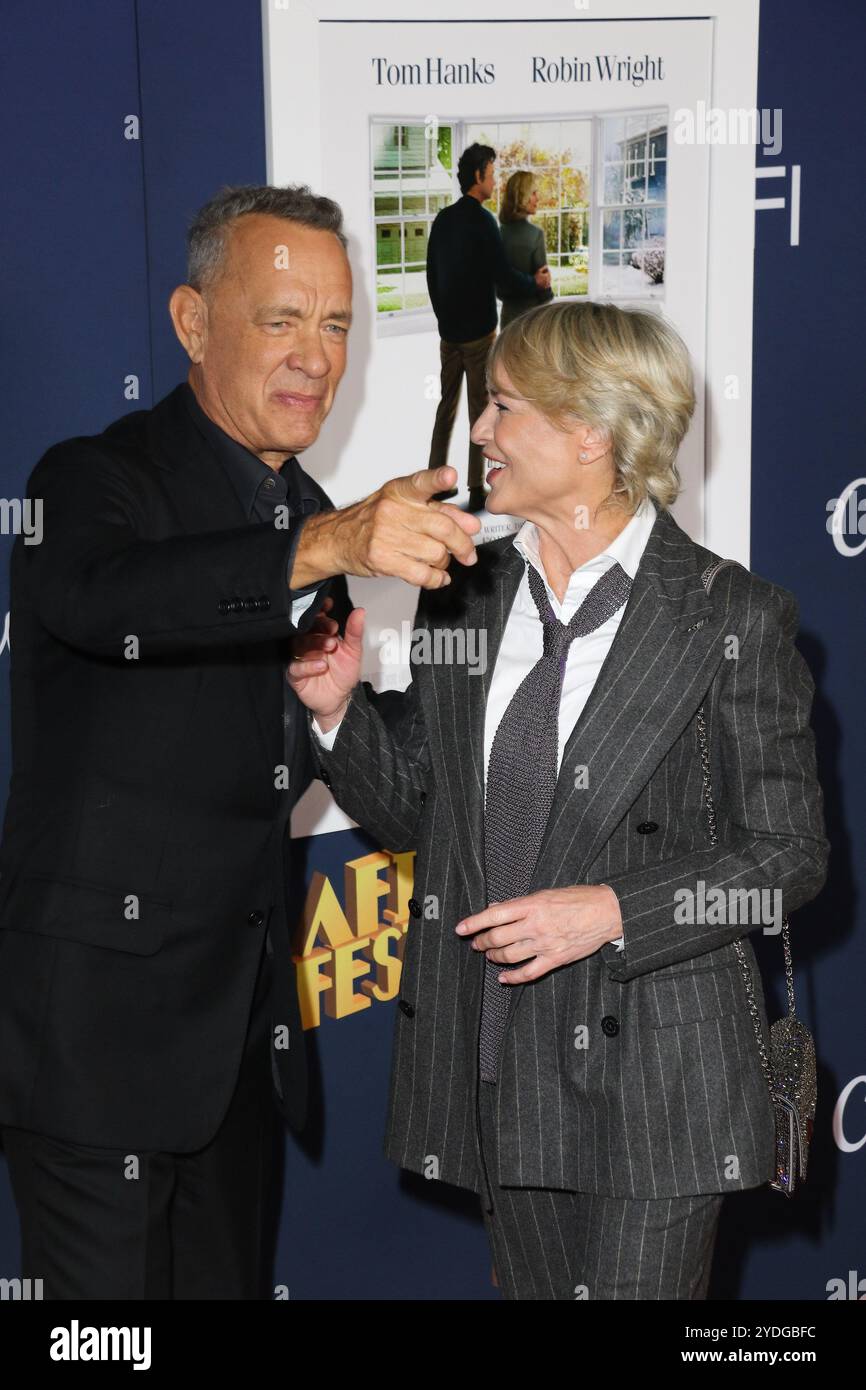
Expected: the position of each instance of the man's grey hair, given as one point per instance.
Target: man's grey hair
(206, 238)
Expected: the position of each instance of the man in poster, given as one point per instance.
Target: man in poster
(466, 264)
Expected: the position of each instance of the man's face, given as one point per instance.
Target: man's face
(269, 347)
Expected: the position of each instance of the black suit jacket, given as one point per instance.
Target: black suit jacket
(144, 847)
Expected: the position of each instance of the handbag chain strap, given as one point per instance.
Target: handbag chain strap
(708, 576)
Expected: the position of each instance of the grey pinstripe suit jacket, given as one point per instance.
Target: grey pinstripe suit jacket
(672, 1101)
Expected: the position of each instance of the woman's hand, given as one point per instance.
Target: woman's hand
(326, 667)
(555, 926)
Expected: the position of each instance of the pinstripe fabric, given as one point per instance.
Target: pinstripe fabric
(671, 1101)
(577, 1245)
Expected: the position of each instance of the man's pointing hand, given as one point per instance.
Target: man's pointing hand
(397, 531)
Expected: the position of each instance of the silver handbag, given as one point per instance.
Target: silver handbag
(790, 1067)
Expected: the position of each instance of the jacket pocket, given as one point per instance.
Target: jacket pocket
(73, 910)
(694, 996)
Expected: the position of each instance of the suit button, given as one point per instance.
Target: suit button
(422, 797)
(406, 1008)
(255, 918)
(609, 1026)
(647, 827)
(224, 605)
(263, 603)
(325, 777)
(414, 907)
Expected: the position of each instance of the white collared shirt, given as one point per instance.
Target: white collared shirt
(522, 642)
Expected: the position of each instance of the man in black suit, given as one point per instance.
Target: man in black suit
(466, 264)
(147, 995)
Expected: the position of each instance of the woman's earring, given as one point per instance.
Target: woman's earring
(583, 455)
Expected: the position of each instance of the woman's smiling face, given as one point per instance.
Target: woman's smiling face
(536, 468)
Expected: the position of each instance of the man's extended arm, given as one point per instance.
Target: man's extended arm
(100, 587)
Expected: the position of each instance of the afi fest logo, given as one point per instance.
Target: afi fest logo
(847, 519)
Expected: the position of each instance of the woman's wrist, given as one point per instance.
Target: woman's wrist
(327, 722)
(616, 927)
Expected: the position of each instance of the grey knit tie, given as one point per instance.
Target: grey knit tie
(522, 774)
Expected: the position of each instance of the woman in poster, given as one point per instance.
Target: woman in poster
(573, 1038)
(523, 241)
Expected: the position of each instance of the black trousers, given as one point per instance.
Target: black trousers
(457, 360)
(120, 1224)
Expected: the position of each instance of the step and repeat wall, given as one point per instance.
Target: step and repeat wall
(122, 118)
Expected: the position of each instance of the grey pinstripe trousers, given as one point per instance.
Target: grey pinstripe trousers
(551, 1244)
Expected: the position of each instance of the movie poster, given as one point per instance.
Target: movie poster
(606, 114)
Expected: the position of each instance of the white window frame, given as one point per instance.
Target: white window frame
(420, 319)
(645, 298)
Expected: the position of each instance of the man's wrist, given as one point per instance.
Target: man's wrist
(316, 554)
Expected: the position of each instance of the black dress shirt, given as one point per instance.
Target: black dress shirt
(261, 490)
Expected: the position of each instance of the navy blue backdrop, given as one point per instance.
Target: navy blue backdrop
(92, 246)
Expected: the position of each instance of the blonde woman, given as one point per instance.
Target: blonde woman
(570, 1043)
(523, 242)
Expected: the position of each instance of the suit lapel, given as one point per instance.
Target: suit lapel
(654, 676)
(656, 672)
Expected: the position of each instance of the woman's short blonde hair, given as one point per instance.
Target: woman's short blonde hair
(515, 199)
(621, 370)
